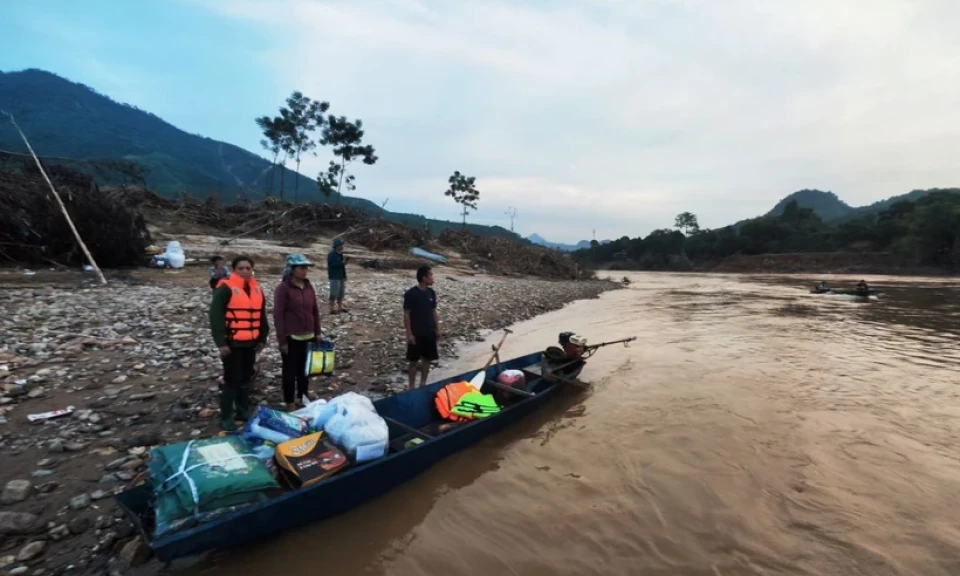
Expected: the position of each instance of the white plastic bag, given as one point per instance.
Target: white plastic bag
(264, 451)
(347, 399)
(324, 415)
(174, 247)
(362, 434)
(313, 413)
(354, 399)
(174, 255)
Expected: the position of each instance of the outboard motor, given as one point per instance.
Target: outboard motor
(572, 344)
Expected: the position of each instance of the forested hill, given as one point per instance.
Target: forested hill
(826, 204)
(70, 120)
(831, 208)
(922, 227)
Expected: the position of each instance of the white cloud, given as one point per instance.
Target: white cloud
(617, 115)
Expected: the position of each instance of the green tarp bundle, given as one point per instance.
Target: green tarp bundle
(199, 480)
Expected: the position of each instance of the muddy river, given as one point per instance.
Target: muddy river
(753, 428)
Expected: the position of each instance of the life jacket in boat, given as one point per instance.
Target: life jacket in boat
(476, 405)
(448, 397)
(243, 318)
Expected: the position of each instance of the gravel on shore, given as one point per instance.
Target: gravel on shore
(136, 363)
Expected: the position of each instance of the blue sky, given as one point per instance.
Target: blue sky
(612, 115)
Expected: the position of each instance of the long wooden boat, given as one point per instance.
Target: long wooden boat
(409, 414)
(855, 293)
(849, 294)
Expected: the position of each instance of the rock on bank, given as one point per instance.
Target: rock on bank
(136, 363)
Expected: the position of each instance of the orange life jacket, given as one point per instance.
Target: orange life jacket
(447, 398)
(243, 310)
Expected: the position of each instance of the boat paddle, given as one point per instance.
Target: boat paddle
(481, 376)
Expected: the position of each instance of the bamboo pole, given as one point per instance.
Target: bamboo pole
(56, 196)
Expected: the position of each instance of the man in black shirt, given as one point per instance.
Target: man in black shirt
(422, 326)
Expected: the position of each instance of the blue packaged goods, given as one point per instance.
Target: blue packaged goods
(282, 422)
(254, 433)
(202, 479)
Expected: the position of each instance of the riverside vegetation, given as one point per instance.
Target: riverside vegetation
(921, 229)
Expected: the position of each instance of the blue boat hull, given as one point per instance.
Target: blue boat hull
(356, 485)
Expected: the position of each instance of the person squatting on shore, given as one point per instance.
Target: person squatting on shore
(296, 319)
(238, 322)
(337, 275)
(422, 326)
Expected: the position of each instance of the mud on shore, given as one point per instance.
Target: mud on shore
(136, 362)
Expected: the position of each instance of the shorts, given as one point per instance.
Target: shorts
(424, 349)
(337, 289)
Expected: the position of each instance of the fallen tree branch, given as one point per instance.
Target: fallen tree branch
(56, 196)
(270, 220)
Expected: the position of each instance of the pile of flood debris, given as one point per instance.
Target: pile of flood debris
(299, 224)
(385, 235)
(112, 222)
(506, 257)
(296, 224)
(33, 230)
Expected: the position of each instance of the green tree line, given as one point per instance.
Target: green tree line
(926, 231)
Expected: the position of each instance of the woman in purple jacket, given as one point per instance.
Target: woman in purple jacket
(296, 318)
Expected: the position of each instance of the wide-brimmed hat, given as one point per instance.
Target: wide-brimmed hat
(298, 260)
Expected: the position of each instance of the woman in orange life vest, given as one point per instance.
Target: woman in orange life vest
(238, 321)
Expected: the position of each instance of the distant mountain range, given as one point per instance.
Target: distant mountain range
(832, 209)
(541, 241)
(826, 204)
(68, 120)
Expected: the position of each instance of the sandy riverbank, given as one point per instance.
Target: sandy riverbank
(136, 362)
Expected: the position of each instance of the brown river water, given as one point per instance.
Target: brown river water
(753, 428)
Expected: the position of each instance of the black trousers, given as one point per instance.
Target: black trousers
(235, 393)
(238, 367)
(295, 382)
